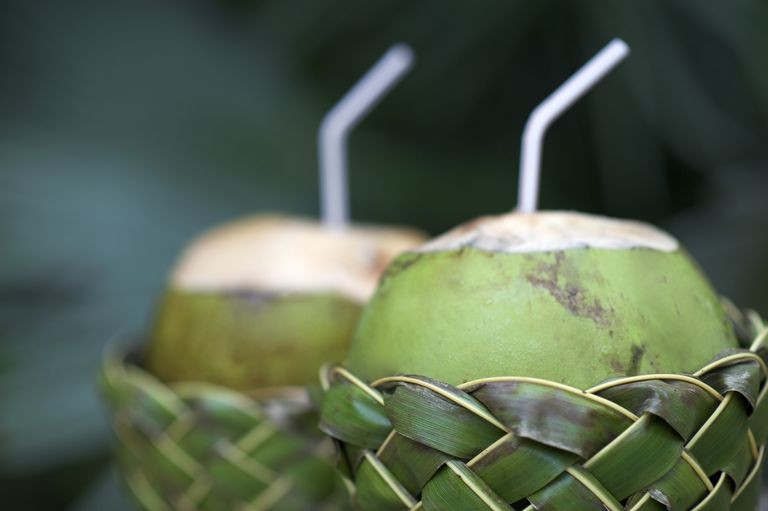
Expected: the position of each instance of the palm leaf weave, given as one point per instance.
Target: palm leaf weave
(199, 446)
(650, 442)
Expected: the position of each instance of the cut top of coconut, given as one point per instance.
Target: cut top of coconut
(279, 254)
(551, 231)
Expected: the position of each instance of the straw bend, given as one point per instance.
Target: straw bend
(342, 118)
(552, 108)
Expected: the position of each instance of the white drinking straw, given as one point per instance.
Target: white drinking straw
(341, 119)
(550, 109)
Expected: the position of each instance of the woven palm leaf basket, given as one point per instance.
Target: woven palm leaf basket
(198, 446)
(649, 442)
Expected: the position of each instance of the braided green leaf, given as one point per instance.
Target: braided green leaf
(740, 462)
(575, 490)
(516, 467)
(747, 495)
(553, 416)
(275, 449)
(200, 446)
(239, 481)
(378, 489)
(682, 405)
(723, 436)
(352, 415)
(166, 463)
(123, 387)
(412, 463)
(450, 426)
(742, 378)
(641, 455)
(758, 421)
(719, 499)
(644, 502)
(457, 487)
(680, 488)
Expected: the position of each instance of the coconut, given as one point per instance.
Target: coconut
(264, 301)
(567, 297)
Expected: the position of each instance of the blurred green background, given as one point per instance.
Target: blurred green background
(128, 127)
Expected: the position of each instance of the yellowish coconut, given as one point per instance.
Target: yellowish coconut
(264, 301)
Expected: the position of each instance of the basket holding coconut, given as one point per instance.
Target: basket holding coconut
(212, 413)
(217, 410)
(550, 361)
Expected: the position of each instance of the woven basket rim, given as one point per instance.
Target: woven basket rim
(331, 370)
(437, 386)
(123, 358)
(747, 352)
(152, 419)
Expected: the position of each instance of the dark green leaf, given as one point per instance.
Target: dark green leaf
(449, 426)
(412, 463)
(350, 414)
(640, 456)
(568, 493)
(457, 487)
(553, 416)
(378, 489)
(517, 467)
(722, 436)
(684, 406)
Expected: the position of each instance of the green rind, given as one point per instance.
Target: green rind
(578, 316)
(246, 341)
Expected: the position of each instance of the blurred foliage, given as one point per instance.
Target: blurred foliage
(127, 128)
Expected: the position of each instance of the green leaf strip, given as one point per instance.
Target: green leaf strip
(583, 477)
(459, 399)
(719, 498)
(396, 487)
(753, 474)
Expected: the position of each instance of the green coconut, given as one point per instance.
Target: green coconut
(567, 297)
(264, 301)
